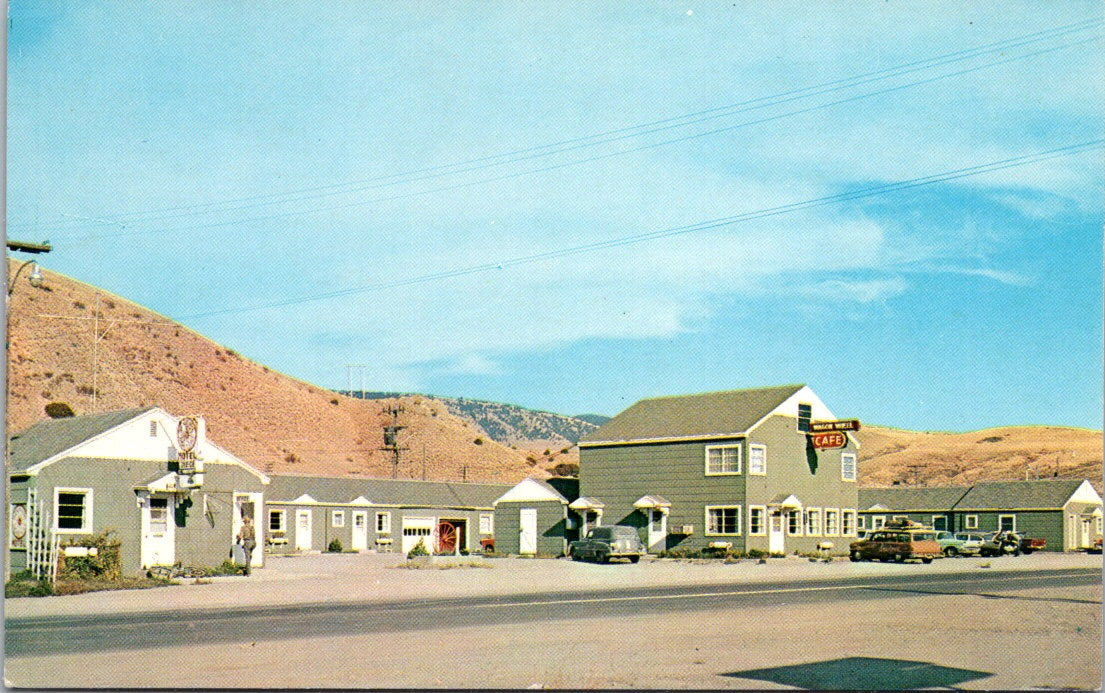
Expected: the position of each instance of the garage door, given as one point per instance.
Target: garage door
(415, 528)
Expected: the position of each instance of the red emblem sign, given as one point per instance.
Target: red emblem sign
(828, 441)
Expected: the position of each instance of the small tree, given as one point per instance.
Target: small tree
(418, 549)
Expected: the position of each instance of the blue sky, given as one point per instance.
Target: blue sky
(455, 194)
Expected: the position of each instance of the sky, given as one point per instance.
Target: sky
(575, 206)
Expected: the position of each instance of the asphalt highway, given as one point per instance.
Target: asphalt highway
(67, 635)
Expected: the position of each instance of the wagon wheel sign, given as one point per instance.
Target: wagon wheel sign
(446, 537)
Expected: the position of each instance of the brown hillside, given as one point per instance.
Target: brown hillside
(889, 455)
(272, 421)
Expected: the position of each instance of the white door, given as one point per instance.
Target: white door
(303, 530)
(527, 531)
(360, 530)
(775, 533)
(417, 529)
(158, 532)
(657, 531)
(251, 504)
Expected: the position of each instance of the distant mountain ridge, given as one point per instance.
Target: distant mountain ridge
(508, 424)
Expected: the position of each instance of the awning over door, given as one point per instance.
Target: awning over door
(651, 502)
(786, 501)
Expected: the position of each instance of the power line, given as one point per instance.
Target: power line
(601, 138)
(679, 230)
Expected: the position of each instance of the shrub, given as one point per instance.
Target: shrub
(59, 410)
(418, 549)
(334, 546)
(478, 441)
(105, 565)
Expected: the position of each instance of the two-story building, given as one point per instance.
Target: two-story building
(736, 468)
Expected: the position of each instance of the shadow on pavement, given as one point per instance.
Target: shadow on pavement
(863, 673)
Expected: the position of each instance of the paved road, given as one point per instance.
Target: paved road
(69, 635)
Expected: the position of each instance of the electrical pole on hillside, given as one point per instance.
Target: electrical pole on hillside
(391, 438)
(349, 368)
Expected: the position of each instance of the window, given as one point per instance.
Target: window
(276, 521)
(723, 520)
(73, 510)
(337, 518)
(847, 522)
(861, 522)
(383, 523)
(848, 466)
(153, 428)
(159, 515)
(940, 522)
(971, 522)
(813, 521)
(1007, 523)
(805, 413)
(487, 523)
(878, 521)
(723, 459)
(831, 527)
(756, 520)
(794, 522)
(757, 459)
(1097, 524)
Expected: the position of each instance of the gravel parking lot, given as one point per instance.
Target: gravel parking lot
(366, 577)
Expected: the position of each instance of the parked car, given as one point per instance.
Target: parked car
(958, 544)
(605, 543)
(1030, 544)
(896, 544)
(1001, 544)
(1096, 547)
(971, 543)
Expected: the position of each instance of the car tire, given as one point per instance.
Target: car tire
(602, 558)
(856, 557)
(926, 561)
(634, 559)
(899, 558)
(951, 552)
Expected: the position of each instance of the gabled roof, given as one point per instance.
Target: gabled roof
(532, 490)
(711, 414)
(52, 437)
(911, 498)
(391, 492)
(1012, 495)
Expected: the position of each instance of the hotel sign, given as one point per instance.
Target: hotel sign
(829, 426)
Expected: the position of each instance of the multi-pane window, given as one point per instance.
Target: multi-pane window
(757, 459)
(805, 413)
(831, 522)
(848, 466)
(847, 522)
(813, 521)
(878, 521)
(383, 523)
(73, 509)
(756, 520)
(276, 521)
(794, 522)
(159, 515)
(861, 522)
(723, 459)
(487, 523)
(337, 518)
(723, 520)
(1007, 523)
(971, 522)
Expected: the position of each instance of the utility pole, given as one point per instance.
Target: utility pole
(391, 438)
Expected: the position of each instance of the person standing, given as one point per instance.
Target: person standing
(248, 540)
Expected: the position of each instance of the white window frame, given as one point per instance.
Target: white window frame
(832, 530)
(763, 520)
(283, 515)
(1012, 528)
(798, 524)
(861, 522)
(385, 526)
(86, 518)
(848, 518)
(878, 522)
(722, 449)
(970, 522)
(843, 467)
(487, 523)
(736, 515)
(752, 447)
(813, 529)
(337, 518)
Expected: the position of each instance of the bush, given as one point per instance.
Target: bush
(105, 565)
(334, 546)
(418, 549)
